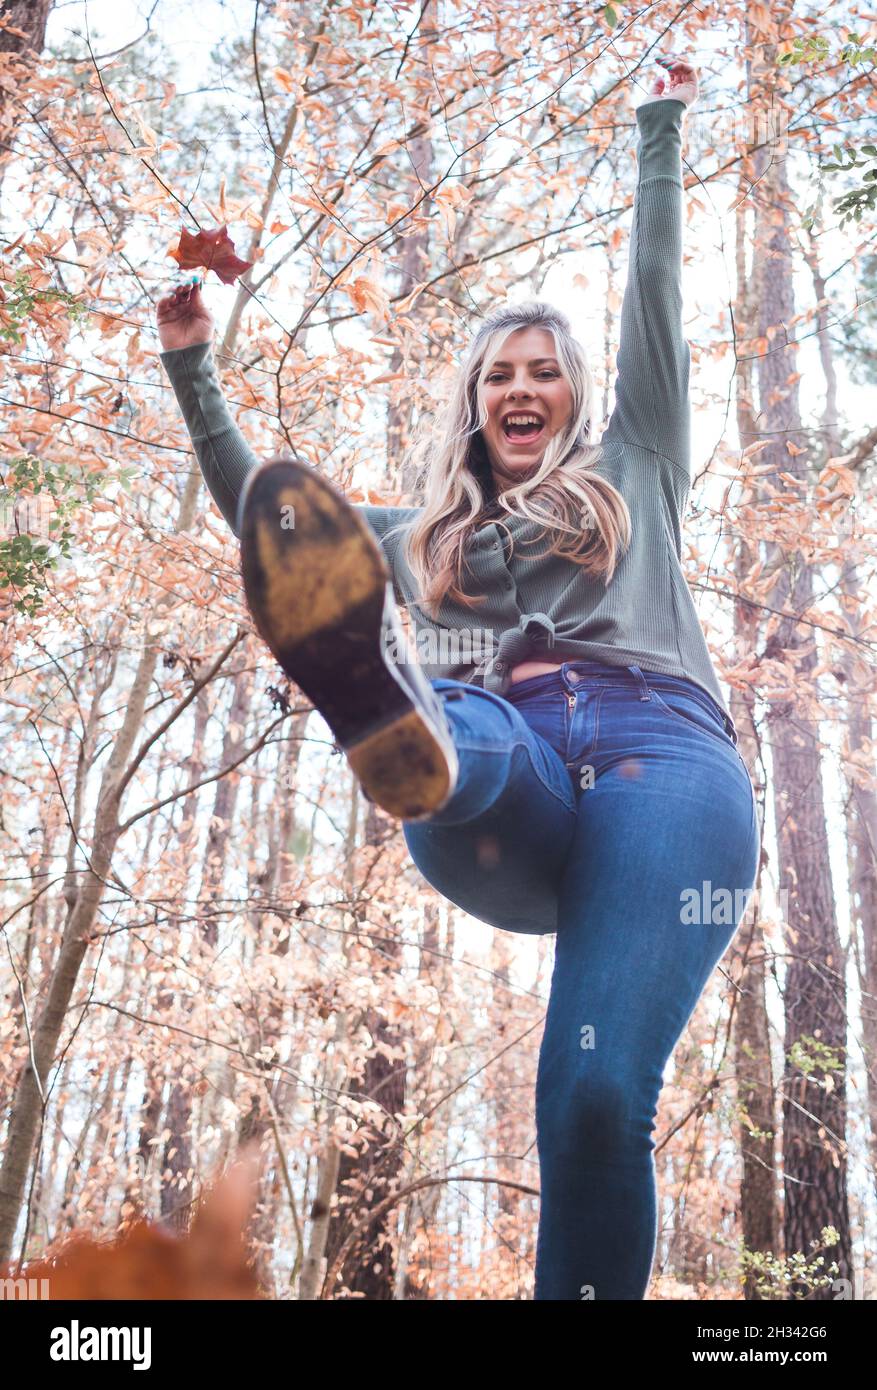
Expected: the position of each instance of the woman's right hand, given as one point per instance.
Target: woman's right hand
(183, 318)
(681, 83)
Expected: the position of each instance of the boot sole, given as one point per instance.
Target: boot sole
(315, 580)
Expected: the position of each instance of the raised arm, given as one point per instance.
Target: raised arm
(224, 456)
(651, 389)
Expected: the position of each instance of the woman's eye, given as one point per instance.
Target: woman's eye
(495, 375)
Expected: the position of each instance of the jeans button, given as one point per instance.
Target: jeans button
(572, 677)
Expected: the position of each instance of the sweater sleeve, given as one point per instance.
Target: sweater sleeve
(224, 456)
(651, 388)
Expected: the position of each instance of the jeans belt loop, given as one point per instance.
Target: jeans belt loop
(644, 692)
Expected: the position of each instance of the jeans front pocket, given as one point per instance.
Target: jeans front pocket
(690, 710)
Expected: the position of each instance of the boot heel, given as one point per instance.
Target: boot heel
(403, 768)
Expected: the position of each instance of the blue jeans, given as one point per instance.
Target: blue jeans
(608, 804)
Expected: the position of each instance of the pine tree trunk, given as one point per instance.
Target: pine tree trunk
(177, 1169)
(861, 822)
(315, 1264)
(756, 1087)
(412, 1279)
(857, 676)
(277, 881)
(366, 1179)
(814, 1089)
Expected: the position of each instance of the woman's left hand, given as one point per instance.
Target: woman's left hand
(679, 84)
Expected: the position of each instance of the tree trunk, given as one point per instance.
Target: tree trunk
(314, 1266)
(857, 677)
(366, 1179)
(756, 1087)
(814, 1092)
(83, 893)
(29, 1101)
(30, 18)
(414, 269)
(861, 825)
(277, 880)
(177, 1170)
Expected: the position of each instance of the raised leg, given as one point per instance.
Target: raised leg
(499, 846)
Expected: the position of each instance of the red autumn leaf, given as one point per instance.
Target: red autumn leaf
(212, 250)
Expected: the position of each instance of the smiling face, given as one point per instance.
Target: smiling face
(525, 380)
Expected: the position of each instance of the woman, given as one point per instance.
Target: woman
(577, 770)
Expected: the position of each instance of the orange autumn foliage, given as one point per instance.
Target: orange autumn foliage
(147, 1262)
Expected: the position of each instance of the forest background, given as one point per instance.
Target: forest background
(209, 939)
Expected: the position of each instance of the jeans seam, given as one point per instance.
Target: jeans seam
(753, 827)
(519, 743)
(586, 752)
(571, 804)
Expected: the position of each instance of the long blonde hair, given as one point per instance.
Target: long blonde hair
(563, 496)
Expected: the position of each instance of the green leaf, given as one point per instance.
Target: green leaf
(610, 16)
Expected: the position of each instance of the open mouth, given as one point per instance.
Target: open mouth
(522, 434)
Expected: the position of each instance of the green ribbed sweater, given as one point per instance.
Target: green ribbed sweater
(547, 608)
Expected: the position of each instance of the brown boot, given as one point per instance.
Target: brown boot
(321, 595)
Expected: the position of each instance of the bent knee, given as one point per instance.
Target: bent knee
(594, 1113)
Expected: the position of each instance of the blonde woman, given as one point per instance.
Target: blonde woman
(571, 766)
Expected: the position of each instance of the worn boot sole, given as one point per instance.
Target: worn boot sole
(315, 580)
